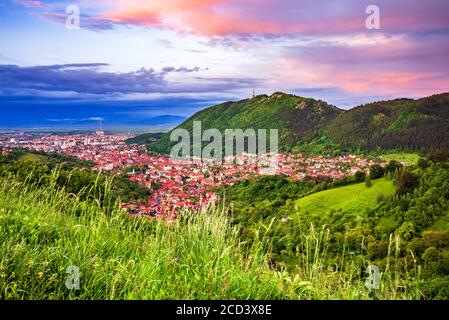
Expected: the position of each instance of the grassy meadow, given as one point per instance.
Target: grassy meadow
(410, 158)
(353, 198)
(31, 157)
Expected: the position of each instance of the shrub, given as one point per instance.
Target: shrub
(417, 246)
(376, 171)
(436, 289)
(436, 239)
(360, 176)
(406, 231)
(423, 163)
(368, 182)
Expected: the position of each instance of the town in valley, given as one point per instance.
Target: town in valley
(174, 185)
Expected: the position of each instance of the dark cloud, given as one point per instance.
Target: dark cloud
(180, 70)
(85, 78)
(91, 78)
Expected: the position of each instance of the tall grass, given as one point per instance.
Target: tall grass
(45, 230)
(317, 277)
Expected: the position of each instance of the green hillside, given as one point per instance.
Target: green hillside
(352, 199)
(397, 124)
(404, 124)
(145, 138)
(296, 118)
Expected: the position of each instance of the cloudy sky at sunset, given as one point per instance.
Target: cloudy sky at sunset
(139, 58)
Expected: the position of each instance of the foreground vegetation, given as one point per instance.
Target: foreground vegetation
(73, 175)
(410, 222)
(259, 245)
(45, 230)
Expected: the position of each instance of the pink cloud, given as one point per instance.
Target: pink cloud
(277, 17)
(30, 3)
(399, 66)
(263, 17)
(407, 57)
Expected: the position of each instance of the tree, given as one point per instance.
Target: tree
(155, 185)
(368, 182)
(406, 231)
(423, 163)
(393, 166)
(406, 182)
(360, 176)
(376, 171)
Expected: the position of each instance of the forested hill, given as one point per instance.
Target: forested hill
(407, 124)
(145, 138)
(296, 118)
(397, 124)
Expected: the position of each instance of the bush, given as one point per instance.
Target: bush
(406, 231)
(436, 289)
(360, 176)
(376, 171)
(368, 182)
(417, 246)
(436, 239)
(423, 163)
(377, 249)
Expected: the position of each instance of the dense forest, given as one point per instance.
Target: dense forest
(409, 227)
(398, 124)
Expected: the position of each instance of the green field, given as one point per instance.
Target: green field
(411, 158)
(32, 157)
(354, 198)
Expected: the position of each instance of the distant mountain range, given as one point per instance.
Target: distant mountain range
(407, 124)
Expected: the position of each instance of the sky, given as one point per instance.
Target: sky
(131, 60)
